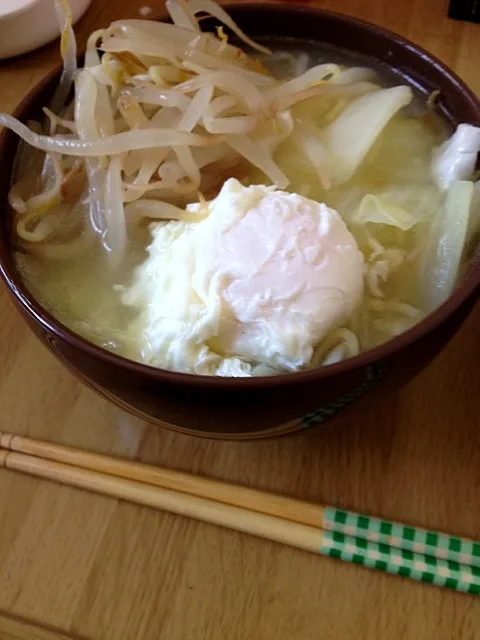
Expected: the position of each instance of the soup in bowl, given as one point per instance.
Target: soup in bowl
(235, 224)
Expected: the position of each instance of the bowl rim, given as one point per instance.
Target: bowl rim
(469, 286)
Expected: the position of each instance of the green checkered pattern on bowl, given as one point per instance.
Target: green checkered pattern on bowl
(439, 559)
(372, 374)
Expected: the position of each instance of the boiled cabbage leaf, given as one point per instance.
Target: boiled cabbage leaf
(381, 210)
(351, 136)
(457, 157)
(401, 206)
(441, 259)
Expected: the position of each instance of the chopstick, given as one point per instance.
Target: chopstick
(330, 518)
(274, 505)
(427, 556)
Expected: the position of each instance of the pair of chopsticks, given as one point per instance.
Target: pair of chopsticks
(427, 556)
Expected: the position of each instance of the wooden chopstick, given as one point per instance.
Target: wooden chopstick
(224, 515)
(269, 504)
(344, 535)
(276, 505)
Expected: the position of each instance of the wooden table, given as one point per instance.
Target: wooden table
(101, 569)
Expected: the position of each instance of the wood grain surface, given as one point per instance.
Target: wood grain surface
(101, 569)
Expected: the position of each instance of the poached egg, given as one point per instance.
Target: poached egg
(249, 289)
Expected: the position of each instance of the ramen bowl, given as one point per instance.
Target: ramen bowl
(245, 408)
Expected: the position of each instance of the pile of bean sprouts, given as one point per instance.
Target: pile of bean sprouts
(162, 113)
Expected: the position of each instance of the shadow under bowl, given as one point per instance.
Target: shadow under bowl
(260, 407)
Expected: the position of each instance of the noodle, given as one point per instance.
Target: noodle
(339, 337)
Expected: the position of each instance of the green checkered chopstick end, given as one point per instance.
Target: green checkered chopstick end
(443, 573)
(431, 557)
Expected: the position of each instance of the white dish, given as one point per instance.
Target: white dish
(29, 24)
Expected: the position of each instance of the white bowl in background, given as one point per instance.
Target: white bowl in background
(29, 24)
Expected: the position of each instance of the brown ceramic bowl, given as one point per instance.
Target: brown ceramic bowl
(258, 407)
